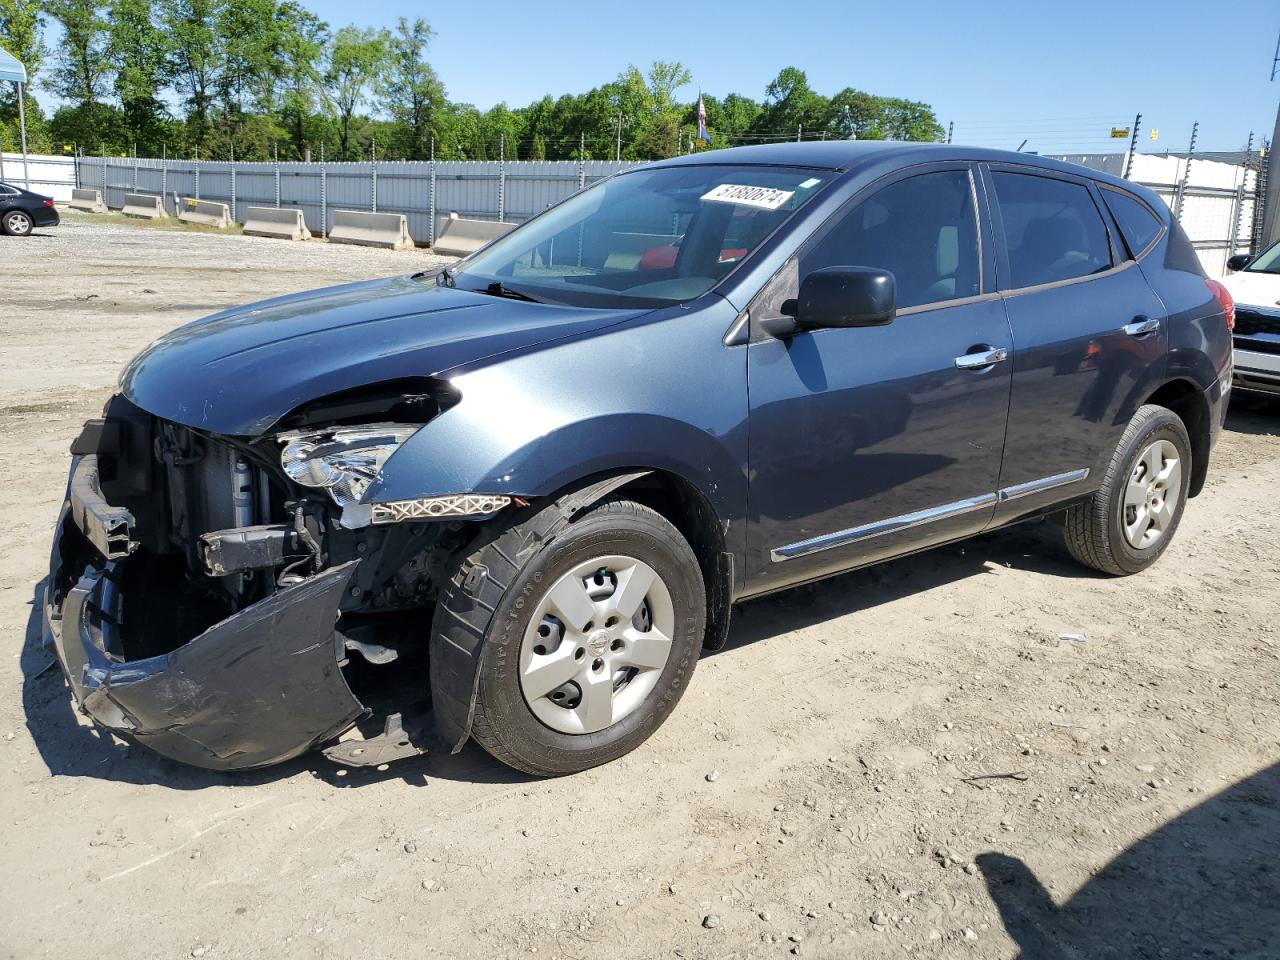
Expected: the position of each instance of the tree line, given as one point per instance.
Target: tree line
(255, 79)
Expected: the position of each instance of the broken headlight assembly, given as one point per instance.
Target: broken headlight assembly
(345, 460)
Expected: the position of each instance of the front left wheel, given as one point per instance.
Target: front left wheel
(16, 223)
(592, 642)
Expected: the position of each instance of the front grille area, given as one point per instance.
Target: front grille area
(1250, 321)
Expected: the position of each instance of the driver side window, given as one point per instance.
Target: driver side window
(922, 229)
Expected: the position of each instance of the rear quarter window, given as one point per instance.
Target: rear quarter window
(1139, 226)
(1052, 229)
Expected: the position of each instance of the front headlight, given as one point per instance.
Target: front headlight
(344, 460)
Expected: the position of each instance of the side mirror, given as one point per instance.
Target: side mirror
(846, 297)
(1238, 262)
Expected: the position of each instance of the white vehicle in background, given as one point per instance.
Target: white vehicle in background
(1254, 284)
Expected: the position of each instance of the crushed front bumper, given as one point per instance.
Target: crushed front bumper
(259, 687)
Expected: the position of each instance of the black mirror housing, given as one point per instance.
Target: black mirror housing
(846, 297)
(1238, 262)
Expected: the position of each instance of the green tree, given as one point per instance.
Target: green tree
(501, 129)
(300, 38)
(137, 50)
(358, 60)
(412, 92)
(246, 34)
(855, 115)
(790, 105)
(909, 120)
(82, 65)
(193, 56)
(21, 26)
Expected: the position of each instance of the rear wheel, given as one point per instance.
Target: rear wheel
(16, 223)
(1127, 524)
(592, 643)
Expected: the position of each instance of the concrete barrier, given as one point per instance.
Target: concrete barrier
(88, 200)
(206, 212)
(458, 238)
(389, 230)
(145, 206)
(284, 223)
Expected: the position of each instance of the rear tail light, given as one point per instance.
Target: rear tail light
(1223, 296)
(49, 204)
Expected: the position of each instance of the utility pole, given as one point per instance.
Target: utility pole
(618, 152)
(951, 128)
(1271, 205)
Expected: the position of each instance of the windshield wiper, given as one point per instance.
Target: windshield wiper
(496, 289)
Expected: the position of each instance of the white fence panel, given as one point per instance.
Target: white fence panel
(49, 175)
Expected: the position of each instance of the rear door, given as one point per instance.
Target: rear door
(1090, 337)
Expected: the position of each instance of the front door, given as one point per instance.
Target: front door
(870, 442)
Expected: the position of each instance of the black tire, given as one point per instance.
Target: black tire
(1094, 527)
(16, 223)
(517, 577)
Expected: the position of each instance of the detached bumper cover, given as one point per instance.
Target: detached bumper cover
(260, 687)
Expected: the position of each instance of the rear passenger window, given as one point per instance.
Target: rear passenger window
(1138, 224)
(921, 229)
(1052, 227)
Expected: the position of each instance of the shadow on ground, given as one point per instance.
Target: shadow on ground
(1254, 413)
(1205, 885)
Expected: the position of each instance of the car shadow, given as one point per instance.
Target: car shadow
(1254, 413)
(1035, 546)
(72, 748)
(1203, 885)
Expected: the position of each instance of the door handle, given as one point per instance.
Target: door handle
(1141, 326)
(983, 358)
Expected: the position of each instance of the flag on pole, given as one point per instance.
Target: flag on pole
(702, 121)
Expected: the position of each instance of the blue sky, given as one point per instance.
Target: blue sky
(1059, 75)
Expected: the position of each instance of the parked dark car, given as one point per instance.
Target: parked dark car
(21, 211)
(529, 488)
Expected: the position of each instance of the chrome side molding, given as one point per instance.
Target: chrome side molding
(868, 531)
(1020, 490)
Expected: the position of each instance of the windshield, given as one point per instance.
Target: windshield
(1268, 261)
(650, 238)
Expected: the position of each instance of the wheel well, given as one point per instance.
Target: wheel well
(691, 513)
(1187, 401)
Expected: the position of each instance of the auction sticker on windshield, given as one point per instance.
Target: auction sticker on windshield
(766, 198)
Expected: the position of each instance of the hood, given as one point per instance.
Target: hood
(240, 371)
(1254, 289)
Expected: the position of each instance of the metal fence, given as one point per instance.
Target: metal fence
(1216, 197)
(425, 191)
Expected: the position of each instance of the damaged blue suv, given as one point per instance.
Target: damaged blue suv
(514, 499)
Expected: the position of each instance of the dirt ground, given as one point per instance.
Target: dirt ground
(819, 792)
